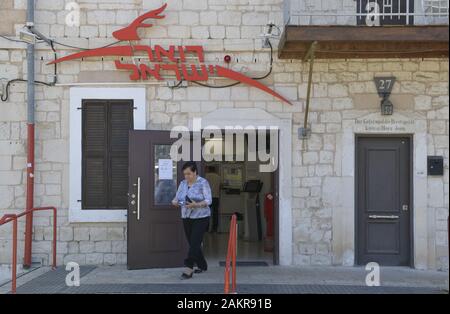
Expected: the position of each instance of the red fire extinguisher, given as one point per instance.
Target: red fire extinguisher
(268, 214)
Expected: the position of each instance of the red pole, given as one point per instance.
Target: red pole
(14, 257)
(11, 217)
(226, 289)
(29, 197)
(233, 256)
(230, 261)
(227, 266)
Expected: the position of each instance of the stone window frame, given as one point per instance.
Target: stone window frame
(77, 94)
(225, 117)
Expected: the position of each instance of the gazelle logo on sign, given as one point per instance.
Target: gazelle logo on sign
(175, 60)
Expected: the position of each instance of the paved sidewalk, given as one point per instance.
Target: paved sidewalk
(271, 279)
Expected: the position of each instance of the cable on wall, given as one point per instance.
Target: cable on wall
(5, 97)
(14, 40)
(54, 42)
(81, 48)
(237, 83)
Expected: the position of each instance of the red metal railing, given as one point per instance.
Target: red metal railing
(13, 218)
(230, 261)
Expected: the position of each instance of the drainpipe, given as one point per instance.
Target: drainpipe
(305, 131)
(30, 144)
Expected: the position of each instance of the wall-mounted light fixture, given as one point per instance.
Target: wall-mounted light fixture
(384, 88)
(30, 35)
(27, 36)
(387, 108)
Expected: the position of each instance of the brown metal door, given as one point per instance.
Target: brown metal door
(155, 230)
(383, 200)
(276, 207)
(276, 215)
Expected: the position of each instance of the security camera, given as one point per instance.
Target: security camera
(269, 33)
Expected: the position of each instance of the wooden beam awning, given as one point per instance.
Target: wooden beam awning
(346, 42)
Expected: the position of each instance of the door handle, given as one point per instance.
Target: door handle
(138, 199)
(384, 216)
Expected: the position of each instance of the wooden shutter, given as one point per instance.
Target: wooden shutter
(95, 153)
(121, 121)
(106, 124)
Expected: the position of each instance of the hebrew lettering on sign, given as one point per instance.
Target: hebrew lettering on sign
(185, 63)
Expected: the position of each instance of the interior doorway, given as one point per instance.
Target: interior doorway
(239, 187)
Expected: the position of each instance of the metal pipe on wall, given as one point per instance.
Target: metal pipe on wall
(30, 141)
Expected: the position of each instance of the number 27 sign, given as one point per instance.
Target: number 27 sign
(384, 85)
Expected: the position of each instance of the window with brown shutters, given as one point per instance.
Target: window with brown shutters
(105, 153)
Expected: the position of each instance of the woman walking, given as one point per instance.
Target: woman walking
(194, 198)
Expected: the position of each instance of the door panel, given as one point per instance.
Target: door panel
(155, 230)
(276, 211)
(383, 238)
(381, 179)
(383, 200)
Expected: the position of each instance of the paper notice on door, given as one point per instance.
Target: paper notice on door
(165, 169)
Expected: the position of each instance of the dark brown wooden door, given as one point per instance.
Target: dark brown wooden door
(155, 230)
(383, 200)
(276, 210)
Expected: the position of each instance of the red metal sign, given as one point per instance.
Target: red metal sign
(158, 56)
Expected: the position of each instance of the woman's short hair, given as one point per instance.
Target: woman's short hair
(191, 165)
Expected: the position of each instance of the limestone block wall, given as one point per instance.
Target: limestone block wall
(343, 90)
(12, 14)
(321, 12)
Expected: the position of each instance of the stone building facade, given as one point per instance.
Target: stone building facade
(344, 103)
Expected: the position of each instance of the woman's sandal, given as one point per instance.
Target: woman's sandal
(185, 276)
